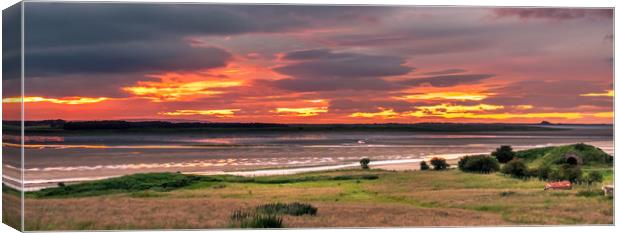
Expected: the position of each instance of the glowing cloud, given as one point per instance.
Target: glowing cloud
(448, 108)
(448, 96)
(66, 100)
(562, 115)
(213, 112)
(609, 93)
(163, 91)
(384, 113)
(310, 111)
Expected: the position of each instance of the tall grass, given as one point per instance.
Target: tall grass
(295, 209)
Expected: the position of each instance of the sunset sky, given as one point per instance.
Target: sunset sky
(316, 64)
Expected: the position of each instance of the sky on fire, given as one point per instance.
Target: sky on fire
(315, 64)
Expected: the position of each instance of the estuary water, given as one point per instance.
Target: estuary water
(69, 158)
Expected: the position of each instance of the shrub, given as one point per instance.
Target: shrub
(592, 177)
(439, 163)
(515, 168)
(570, 173)
(504, 154)
(262, 221)
(424, 166)
(507, 193)
(364, 163)
(478, 163)
(542, 172)
(295, 209)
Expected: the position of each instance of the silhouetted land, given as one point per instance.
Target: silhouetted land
(59, 126)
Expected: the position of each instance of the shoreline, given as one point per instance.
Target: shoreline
(391, 165)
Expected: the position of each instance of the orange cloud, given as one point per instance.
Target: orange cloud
(477, 112)
(305, 112)
(214, 112)
(66, 100)
(609, 93)
(176, 91)
(384, 113)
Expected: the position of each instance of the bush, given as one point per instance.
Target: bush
(592, 177)
(295, 209)
(570, 173)
(364, 163)
(424, 166)
(478, 163)
(439, 163)
(542, 173)
(515, 168)
(262, 221)
(504, 154)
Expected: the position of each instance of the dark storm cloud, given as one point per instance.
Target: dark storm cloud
(333, 84)
(324, 63)
(307, 54)
(447, 80)
(446, 71)
(125, 57)
(11, 46)
(323, 70)
(110, 37)
(75, 23)
(553, 13)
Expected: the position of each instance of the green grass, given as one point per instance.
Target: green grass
(590, 155)
(144, 185)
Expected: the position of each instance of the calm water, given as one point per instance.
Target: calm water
(51, 158)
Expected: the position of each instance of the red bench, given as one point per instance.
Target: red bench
(559, 185)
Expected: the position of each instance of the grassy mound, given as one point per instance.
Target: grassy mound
(549, 156)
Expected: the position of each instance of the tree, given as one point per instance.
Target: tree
(478, 163)
(439, 163)
(570, 173)
(543, 172)
(364, 163)
(592, 177)
(515, 168)
(424, 166)
(504, 154)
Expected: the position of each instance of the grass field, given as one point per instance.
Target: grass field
(346, 198)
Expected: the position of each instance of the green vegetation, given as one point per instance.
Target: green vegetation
(424, 166)
(478, 163)
(592, 177)
(515, 168)
(560, 163)
(503, 154)
(162, 182)
(260, 221)
(130, 183)
(588, 154)
(364, 163)
(269, 215)
(294, 209)
(439, 163)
